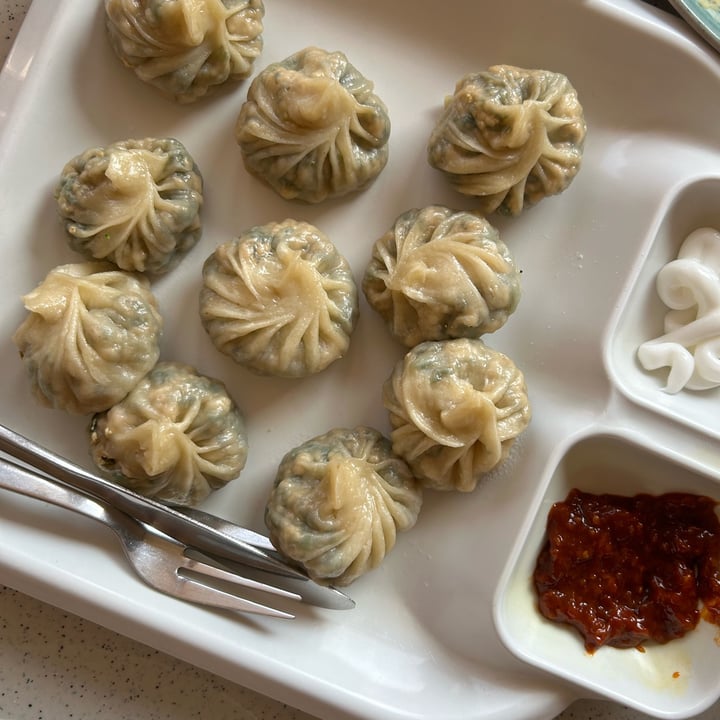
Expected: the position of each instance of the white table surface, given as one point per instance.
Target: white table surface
(54, 665)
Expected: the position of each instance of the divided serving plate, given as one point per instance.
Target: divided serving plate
(422, 641)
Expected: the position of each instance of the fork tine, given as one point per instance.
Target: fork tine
(156, 550)
(212, 571)
(195, 591)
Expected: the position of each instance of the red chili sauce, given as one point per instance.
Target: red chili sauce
(626, 570)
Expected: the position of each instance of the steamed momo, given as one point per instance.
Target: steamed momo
(439, 274)
(92, 332)
(312, 127)
(510, 136)
(135, 203)
(186, 47)
(338, 502)
(455, 407)
(280, 299)
(176, 437)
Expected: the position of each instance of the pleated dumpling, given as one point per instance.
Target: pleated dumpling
(279, 300)
(91, 333)
(312, 127)
(135, 203)
(439, 274)
(456, 407)
(338, 502)
(176, 437)
(510, 136)
(186, 47)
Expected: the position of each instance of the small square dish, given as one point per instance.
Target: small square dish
(678, 679)
(642, 314)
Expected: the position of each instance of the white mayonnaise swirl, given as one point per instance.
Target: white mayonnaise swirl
(690, 287)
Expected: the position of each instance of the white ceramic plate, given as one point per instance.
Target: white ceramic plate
(421, 642)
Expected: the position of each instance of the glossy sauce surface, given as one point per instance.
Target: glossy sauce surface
(626, 570)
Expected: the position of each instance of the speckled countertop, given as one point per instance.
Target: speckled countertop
(54, 665)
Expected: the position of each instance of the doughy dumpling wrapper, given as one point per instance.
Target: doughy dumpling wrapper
(279, 300)
(312, 127)
(339, 501)
(439, 274)
(186, 47)
(176, 437)
(455, 407)
(135, 203)
(91, 333)
(510, 136)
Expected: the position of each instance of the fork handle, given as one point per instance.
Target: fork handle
(22, 481)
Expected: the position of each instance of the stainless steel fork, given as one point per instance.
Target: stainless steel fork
(160, 561)
(222, 541)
